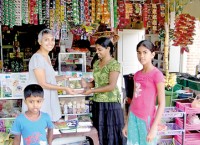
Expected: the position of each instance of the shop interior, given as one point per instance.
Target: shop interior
(172, 25)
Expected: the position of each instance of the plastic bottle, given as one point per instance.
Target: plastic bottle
(65, 109)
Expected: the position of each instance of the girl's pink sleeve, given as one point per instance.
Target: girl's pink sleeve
(159, 77)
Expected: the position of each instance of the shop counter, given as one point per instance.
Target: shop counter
(93, 134)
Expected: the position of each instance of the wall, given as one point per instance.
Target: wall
(193, 8)
(193, 57)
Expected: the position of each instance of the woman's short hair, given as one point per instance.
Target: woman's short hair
(44, 31)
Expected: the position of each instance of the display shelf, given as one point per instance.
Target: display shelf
(172, 129)
(179, 122)
(93, 134)
(168, 142)
(72, 61)
(187, 108)
(171, 112)
(74, 64)
(190, 139)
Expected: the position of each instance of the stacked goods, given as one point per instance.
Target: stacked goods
(145, 14)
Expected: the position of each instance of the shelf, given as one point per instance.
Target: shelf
(10, 98)
(172, 129)
(187, 108)
(67, 61)
(168, 142)
(172, 112)
(76, 114)
(73, 96)
(7, 46)
(9, 118)
(179, 122)
(190, 139)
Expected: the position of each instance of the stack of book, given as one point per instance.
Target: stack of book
(84, 123)
(67, 126)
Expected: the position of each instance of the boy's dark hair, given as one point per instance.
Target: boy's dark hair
(33, 90)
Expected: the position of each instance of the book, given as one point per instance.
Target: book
(84, 120)
(13, 84)
(83, 128)
(67, 126)
(19, 83)
(6, 85)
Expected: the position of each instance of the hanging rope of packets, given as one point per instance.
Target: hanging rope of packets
(51, 14)
(154, 18)
(87, 12)
(69, 11)
(121, 13)
(47, 13)
(115, 13)
(33, 18)
(57, 13)
(184, 31)
(62, 11)
(17, 12)
(12, 14)
(105, 12)
(161, 15)
(1, 10)
(145, 15)
(75, 11)
(40, 9)
(149, 17)
(82, 15)
(93, 14)
(6, 13)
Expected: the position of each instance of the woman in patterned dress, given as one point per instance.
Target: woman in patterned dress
(107, 114)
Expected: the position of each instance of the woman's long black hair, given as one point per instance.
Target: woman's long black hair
(106, 42)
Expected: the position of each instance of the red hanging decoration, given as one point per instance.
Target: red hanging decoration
(183, 33)
(145, 15)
